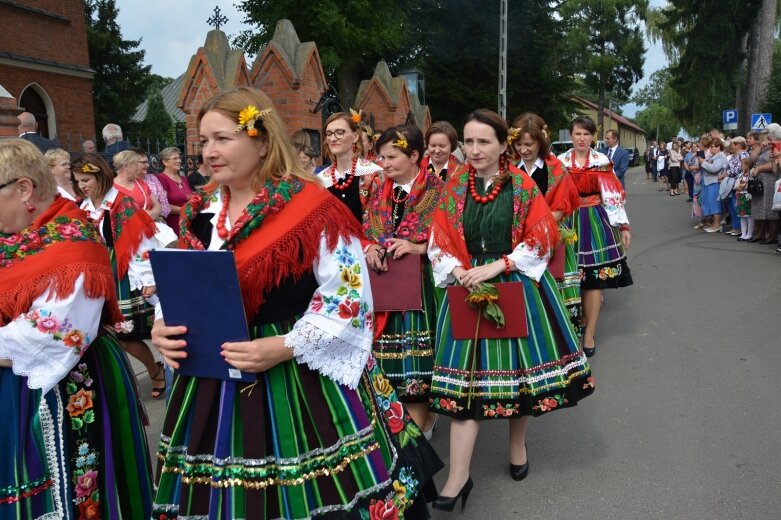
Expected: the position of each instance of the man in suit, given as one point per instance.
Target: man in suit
(112, 135)
(616, 154)
(28, 130)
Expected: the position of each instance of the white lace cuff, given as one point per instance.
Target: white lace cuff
(528, 260)
(442, 264)
(330, 348)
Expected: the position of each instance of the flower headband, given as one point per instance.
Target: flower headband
(89, 168)
(356, 115)
(248, 117)
(545, 131)
(401, 143)
(512, 135)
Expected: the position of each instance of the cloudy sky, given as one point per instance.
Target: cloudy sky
(172, 30)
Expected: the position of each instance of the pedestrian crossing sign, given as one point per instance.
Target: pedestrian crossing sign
(760, 121)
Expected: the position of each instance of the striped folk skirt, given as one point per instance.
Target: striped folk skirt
(134, 308)
(517, 376)
(569, 287)
(295, 445)
(600, 254)
(79, 451)
(405, 350)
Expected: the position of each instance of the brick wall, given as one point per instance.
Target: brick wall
(71, 97)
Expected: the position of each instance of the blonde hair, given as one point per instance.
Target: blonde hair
(55, 154)
(21, 159)
(125, 158)
(279, 161)
(167, 153)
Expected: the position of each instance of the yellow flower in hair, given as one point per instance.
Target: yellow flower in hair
(89, 168)
(513, 134)
(248, 117)
(355, 115)
(545, 131)
(401, 143)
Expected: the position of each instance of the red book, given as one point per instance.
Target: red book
(463, 317)
(398, 288)
(556, 263)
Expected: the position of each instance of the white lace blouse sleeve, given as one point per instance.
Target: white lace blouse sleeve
(139, 272)
(442, 264)
(334, 336)
(45, 343)
(528, 260)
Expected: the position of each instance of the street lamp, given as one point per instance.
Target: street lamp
(416, 83)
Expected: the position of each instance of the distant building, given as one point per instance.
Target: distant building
(630, 135)
(44, 68)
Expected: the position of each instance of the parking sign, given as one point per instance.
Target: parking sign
(730, 119)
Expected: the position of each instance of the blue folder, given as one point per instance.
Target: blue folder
(200, 290)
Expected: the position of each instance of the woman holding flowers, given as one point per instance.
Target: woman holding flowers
(321, 432)
(493, 225)
(528, 139)
(349, 175)
(129, 235)
(397, 221)
(73, 441)
(600, 223)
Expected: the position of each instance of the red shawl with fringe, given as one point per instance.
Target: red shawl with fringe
(288, 241)
(452, 165)
(533, 221)
(129, 226)
(418, 210)
(58, 247)
(562, 194)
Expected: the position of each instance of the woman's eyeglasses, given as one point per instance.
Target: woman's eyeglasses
(8, 183)
(335, 133)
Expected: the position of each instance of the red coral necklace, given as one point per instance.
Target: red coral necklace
(348, 179)
(485, 199)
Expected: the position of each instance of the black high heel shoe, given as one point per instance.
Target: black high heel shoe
(448, 503)
(519, 473)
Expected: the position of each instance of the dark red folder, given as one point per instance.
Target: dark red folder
(463, 317)
(556, 263)
(398, 288)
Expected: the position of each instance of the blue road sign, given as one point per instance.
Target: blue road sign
(760, 121)
(730, 119)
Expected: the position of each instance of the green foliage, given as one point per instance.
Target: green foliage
(121, 80)
(705, 40)
(606, 44)
(773, 103)
(157, 125)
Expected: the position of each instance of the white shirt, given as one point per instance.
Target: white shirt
(538, 164)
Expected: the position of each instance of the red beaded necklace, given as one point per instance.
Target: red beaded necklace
(348, 180)
(485, 199)
(222, 232)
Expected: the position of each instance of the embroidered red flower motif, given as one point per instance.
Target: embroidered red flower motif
(382, 510)
(49, 324)
(86, 483)
(10, 240)
(69, 230)
(403, 232)
(89, 510)
(79, 403)
(317, 302)
(371, 362)
(395, 415)
(74, 338)
(348, 309)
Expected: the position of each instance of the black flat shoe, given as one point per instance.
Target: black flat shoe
(754, 240)
(519, 473)
(589, 352)
(768, 242)
(448, 503)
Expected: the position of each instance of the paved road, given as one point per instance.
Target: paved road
(685, 420)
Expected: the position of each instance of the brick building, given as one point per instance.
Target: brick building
(44, 67)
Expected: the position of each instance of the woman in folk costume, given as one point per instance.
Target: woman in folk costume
(73, 441)
(600, 224)
(441, 141)
(397, 219)
(128, 234)
(321, 433)
(493, 225)
(349, 175)
(528, 139)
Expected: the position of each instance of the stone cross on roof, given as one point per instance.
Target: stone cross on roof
(217, 19)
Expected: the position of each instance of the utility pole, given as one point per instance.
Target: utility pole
(503, 58)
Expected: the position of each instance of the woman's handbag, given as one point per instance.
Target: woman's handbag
(755, 186)
(777, 196)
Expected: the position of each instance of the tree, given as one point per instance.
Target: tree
(351, 35)
(121, 80)
(656, 118)
(760, 61)
(157, 124)
(606, 45)
(773, 101)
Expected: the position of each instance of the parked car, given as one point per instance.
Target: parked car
(634, 156)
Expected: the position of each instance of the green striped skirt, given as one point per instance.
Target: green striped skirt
(294, 445)
(133, 306)
(600, 253)
(517, 376)
(405, 350)
(569, 288)
(80, 450)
